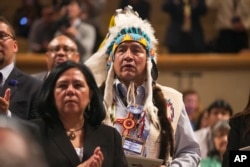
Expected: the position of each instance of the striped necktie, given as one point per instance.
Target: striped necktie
(1, 78)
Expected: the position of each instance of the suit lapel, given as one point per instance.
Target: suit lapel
(12, 82)
(60, 139)
(90, 141)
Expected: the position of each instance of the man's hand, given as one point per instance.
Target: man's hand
(5, 102)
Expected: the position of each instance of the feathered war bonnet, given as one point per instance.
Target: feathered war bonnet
(125, 25)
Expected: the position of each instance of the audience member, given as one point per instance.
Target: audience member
(239, 133)
(91, 10)
(143, 7)
(152, 115)
(42, 30)
(60, 49)
(24, 17)
(71, 125)
(217, 111)
(191, 101)
(219, 141)
(202, 121)
(18, 90)
(185, 33)
(232, 23)
(82, 32)
(18, 148)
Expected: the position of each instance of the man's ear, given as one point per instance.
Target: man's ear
(15, 46)
(78, 57)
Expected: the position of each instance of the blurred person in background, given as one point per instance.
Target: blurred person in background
(202, 121)
(219, 141)
(18, 146)
(71, 24)
(191, 101)
(185, 33)
(217, 111)
(42, 30)
(91, 12)
(60, 49)
(232, 23)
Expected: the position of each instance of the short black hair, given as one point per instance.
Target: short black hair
(220, 103)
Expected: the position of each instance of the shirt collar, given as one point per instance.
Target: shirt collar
(6, 71)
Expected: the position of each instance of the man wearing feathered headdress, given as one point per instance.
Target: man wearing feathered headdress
(150, 117)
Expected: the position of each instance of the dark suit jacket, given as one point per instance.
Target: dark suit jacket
(41, 75)
(61, 153)
(235, 137)
(23, 93)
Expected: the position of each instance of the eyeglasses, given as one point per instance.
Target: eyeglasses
(66, 49)
(4, 36)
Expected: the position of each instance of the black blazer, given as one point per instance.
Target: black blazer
(41, 75)
(235, 138)
(23, 93)
(61, 153)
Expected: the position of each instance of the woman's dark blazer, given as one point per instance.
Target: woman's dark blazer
(61, 153)
(235, 137)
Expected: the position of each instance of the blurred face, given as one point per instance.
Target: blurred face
(220, 141)
(48, 14)
(191, 102)
(61, 49)
(74, 10)
(130, 63)
(72, 93)
(217, 114)
(8, 45)
(11, 139)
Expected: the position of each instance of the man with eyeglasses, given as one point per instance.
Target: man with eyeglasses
(17, 89)
(60, 49)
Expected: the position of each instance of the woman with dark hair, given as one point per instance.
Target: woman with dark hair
(71, 125)
(239, 134)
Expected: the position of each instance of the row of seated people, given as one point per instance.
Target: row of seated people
(38, 24)
(184, 32)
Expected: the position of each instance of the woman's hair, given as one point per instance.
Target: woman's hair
(245, 114)
(94, 114)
